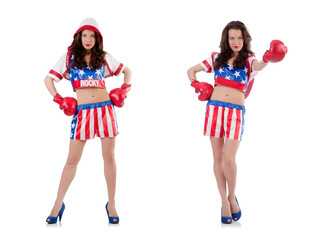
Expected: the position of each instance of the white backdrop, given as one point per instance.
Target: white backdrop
(166, 188)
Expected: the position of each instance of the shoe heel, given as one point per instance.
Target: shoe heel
(52, 220)
(61, 212)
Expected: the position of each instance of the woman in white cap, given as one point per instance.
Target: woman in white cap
(87, 66)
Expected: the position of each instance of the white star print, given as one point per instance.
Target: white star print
(228, 77)
(230, 67)
(90, 76)
(237, 74)
(81, 72)
(221, 70)
(98, 72)
(245, 70)
(73, 125)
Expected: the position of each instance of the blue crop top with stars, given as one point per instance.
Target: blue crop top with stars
(86, 77)
(240, 79)
(233, 78)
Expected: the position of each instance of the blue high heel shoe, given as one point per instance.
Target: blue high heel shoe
(236, 216)
(226, 220)
(51, 220)
(111, 219)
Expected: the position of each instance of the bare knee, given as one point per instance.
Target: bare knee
(229, 161)
(218, 161)
(108, 146)
(72, 161)
(75, 152)
(109, 156)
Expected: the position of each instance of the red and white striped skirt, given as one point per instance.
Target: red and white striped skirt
(224, 120)
(94, 119)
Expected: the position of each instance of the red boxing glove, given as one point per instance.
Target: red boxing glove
(118, 95)
(67, 104)
(205, 89)
(126, 87)
(276, 53)
(58, 99)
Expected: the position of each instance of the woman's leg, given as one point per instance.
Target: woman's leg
(69, 172)
(218, 168)
(108, 147)
(217, 145)
(230, 170)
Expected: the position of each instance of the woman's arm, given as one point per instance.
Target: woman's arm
(49, 83)
(127, 75)
(67, 104)
(204, 89)
(258, 66)
(191, 73)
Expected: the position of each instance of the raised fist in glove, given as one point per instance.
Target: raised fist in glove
(205, 89)
(118, 95)
(276, 52)
(67, 104)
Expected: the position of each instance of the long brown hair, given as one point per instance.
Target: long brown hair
(79, 53)
(226, 52)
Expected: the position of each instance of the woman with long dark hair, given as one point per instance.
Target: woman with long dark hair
(87, 66)
(234, 69)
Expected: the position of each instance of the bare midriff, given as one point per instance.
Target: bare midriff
(226, 94)
(92, 95)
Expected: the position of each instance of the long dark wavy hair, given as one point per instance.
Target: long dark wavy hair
(79, 53)
(226, 52)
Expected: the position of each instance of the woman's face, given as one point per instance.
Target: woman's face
(88, 39)
(235, 40)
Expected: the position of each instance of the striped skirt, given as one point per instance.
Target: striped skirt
(224, 120)
(94, 119)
